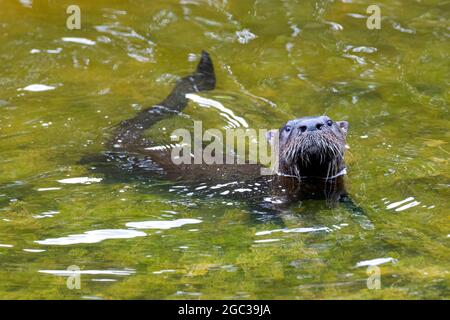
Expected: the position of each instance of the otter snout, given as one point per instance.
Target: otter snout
(312, 124)
(313, 146)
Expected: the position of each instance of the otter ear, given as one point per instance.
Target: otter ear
(343, 125)
(271, 135)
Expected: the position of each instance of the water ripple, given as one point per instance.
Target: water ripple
(68, 273)
(375, 262)
(79, 41)
(162, 224)
(94, 236)
(235, 120)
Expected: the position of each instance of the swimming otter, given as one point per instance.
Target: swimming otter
(312, 147)
(311, 153)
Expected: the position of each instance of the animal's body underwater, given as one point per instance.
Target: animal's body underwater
(311, 155)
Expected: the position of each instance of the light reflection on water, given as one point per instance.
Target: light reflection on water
(67, 273)
(162, 224)
(94, 236)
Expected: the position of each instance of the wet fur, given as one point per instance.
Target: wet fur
(310, 157)
(313, 154)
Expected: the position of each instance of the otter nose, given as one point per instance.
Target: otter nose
(311, 125)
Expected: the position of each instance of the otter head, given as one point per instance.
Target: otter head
(312, 147)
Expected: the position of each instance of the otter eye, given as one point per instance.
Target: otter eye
(287, 128)
(330, 123)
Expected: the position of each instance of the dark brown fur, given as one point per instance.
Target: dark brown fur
(310, 158)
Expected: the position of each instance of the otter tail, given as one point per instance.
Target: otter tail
(129, 132)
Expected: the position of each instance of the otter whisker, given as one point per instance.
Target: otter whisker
(313, 152)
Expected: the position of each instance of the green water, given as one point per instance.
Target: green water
(275, 60)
